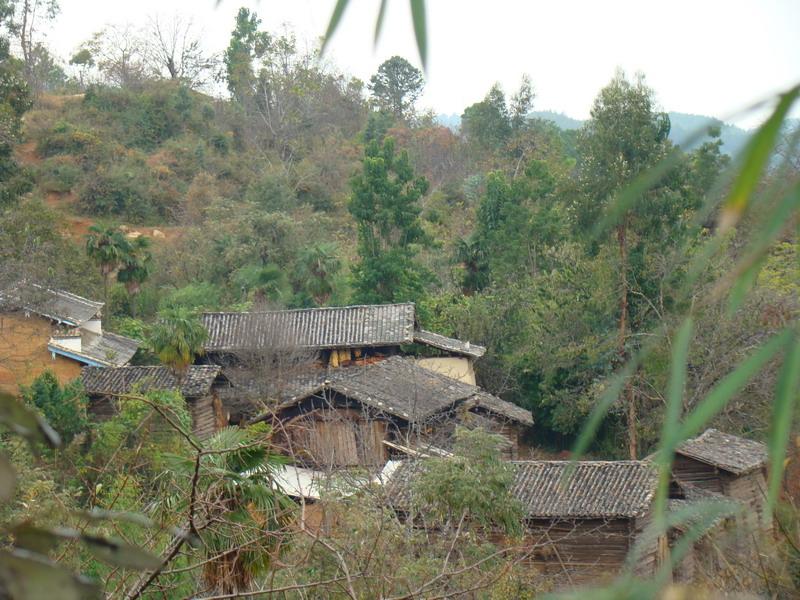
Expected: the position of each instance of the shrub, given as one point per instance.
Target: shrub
(272, 193)
(58, 174)
(195, 296)
(64, 408)
(66, 138)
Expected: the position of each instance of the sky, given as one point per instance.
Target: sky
(710, 57)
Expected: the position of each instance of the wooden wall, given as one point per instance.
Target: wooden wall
(579, 551)
(697, 473)
(337, 437)
(751, 490)
(204, 418)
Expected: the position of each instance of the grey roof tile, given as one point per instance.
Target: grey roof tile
(595, 489)
(731, 453)
(58, 305)
(196, 382)
(315, 328)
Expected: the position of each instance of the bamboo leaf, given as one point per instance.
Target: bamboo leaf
(785, 399)
(755, 158)
(631, 193)
(8, 479)
(336, 17)
(732, 383)
(27, 575)
(420, 30)
(747, 269)
(121, 554)
(25, 422)
(609, 396)
(379, 21)
(671, 426)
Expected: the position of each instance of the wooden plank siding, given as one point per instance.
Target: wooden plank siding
(697, 473)
(337, 437)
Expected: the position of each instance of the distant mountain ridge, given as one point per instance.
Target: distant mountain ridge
(684, 127)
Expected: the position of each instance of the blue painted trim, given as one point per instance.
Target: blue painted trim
(78, 357)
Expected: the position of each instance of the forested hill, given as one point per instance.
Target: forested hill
(684, 128)
(305, 187)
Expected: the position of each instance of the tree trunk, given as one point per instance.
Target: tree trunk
(628, 394)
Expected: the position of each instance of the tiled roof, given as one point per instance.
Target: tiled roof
(313, 328)
(728, 452)
(58, 305)
(400, 387)
(502, 407)
(442, 342)
(594, 490)
(121, 380)
(111, 349)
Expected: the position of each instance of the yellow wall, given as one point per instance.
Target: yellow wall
(453, 366)
(24, 354)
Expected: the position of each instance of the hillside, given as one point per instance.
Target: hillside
(317, 342)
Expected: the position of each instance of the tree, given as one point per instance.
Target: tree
(396, 87)
(84, 61)
(108, 248)
(174, 51)
(135, 266)
(491, 123)
(487, 123)
(385, 204)
(624, 137)
(317, 266)
(246, 515)
(246, 45)
(15, 100)
(120, 55)
(177, 337)
(63, 407)
(24, 22)
(473, 485)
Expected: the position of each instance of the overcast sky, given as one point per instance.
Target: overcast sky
(712, 57)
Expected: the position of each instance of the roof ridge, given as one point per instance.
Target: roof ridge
(311, 309)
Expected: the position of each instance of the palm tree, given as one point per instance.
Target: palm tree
(135, 268)
(108, 248)
(244, 515)
(177, 338)
(317, 267)
(265, 282)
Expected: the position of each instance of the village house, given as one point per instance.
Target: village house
(361, 415)
(580, 526)
(728, 465)
(107, 386)
(49, 329)
(337, 336)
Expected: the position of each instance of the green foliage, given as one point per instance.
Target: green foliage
(385, 205)
(63, 407)
(272, 193)
(472, 487)
(15, 100)
(194, 296)
(317, 267)
(247, 44)
(237, 474)
(149, 117)
(396, 87)
(177, 337)
(135, 265)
